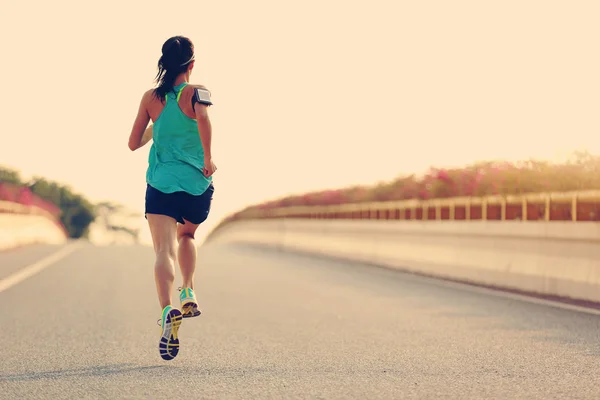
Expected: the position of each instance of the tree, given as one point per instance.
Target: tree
(74, 211)
(77, 212)
(9, 176)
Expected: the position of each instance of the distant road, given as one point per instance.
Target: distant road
(278, 326)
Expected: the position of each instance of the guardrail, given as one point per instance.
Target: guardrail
(580, 206)
(10, 207)
(558, 259)
(18, 208)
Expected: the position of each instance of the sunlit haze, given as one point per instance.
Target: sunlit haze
(308, 95)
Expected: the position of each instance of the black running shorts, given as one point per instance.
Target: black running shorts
(179, 205)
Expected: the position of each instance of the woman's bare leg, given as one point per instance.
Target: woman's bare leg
(187, 252)
(163, 230)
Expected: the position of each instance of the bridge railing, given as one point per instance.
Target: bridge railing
(23, 196)
(548, 247)
(578, 206)
(11, 207)
(16, 199)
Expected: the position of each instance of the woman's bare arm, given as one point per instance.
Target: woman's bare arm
(148, 133)
(205, 130)
(140, 124)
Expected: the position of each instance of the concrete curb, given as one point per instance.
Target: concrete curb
(549, 259)
(17, 230)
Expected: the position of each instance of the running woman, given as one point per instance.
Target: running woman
(179, 179)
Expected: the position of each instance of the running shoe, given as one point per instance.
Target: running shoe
(189, 304)
(169, 340)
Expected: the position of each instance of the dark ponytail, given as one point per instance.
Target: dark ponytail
(177, 53)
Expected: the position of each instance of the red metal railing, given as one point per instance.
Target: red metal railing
(577, 207)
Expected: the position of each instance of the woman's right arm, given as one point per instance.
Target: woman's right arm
(148, 134)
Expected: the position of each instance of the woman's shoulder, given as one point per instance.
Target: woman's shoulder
(150, 97)
(149, 94)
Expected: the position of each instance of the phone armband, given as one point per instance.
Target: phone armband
(201, 96)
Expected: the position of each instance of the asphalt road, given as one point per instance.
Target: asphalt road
(281, 326)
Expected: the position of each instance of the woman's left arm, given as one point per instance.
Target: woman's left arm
(139, 136)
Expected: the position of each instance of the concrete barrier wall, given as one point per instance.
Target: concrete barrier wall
(25, 229)
(549, 258)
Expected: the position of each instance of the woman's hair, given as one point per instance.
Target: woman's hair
(177, 53)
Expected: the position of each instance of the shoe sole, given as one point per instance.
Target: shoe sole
(169, 342)
(190, 310)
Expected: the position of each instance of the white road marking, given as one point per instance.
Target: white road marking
(37, 266)
(499, 292)
(533, 300)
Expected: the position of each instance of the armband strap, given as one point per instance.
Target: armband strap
(201, 96)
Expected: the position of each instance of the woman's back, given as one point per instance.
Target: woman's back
(176, 158)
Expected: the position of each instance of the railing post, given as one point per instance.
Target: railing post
(484, 212)
(574, 208)
(468, 210)
(547, 209)
(503, 209)
(438, 211)
(452, 210)
(524, 209)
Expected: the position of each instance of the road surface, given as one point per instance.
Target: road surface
(280, 326)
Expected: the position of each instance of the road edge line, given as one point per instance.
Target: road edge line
(36, 267)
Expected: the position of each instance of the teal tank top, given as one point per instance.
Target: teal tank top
(176, 156)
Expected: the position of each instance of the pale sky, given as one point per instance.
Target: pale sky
(308, 95)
